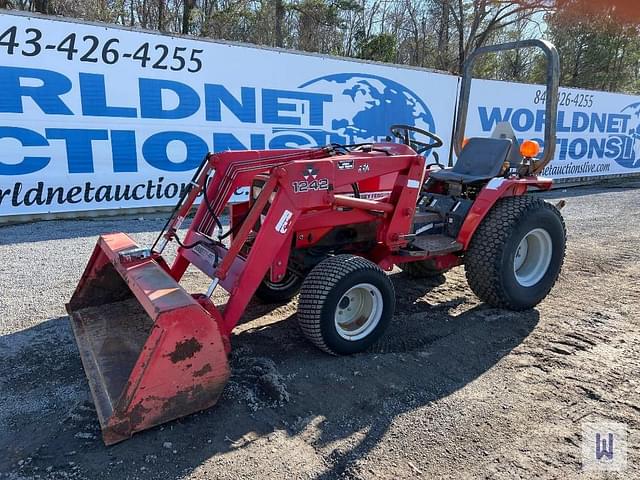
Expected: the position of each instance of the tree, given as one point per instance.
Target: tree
(598, 51)
(381, 48)
(279, 21)
(599, 42)
(319, 23)
(477, 21)
(41, 6)
(189, 6)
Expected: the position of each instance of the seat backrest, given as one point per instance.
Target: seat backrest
(483, 157)
(504, 130)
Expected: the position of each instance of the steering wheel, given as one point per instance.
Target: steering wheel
(402, 132)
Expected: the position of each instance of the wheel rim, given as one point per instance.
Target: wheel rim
(358, 312)
(533, 256)
(288, 281)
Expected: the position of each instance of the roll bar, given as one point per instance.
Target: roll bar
(551, 106)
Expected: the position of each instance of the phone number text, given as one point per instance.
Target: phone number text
(566, 99)
(91, 49)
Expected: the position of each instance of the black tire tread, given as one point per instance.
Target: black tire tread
(483, 257)
(268, 295)
(317, 286)
(421, 269)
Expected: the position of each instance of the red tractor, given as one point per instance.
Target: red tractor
(327, 223)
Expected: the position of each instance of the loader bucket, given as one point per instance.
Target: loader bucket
(151, 352)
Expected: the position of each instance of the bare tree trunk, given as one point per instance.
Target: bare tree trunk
(616, 73)
(443, 36)
(132, 12)
(41, 6)
(144, 17)
(279, 21)
(161, 15)
(189, 5)
(414, 56)
(461, 57)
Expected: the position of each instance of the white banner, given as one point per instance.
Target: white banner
(598, 133)
(94, 117)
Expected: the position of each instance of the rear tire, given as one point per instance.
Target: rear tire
(346, 302)
(282, 291)
(421, 269)
(516, 254)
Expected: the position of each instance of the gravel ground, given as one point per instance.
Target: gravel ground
(454, 390)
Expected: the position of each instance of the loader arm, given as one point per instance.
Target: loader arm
(152, 351)
(297, 192)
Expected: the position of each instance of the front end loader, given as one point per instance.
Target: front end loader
(325, 223)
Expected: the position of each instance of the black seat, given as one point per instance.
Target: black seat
(481, 159)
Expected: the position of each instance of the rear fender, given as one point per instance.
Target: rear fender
(496, 189)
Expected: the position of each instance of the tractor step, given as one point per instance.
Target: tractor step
(435, 245)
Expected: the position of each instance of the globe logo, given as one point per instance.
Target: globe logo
(364, 106)
(630, 158)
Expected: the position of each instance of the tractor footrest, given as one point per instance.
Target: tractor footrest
(435, 244)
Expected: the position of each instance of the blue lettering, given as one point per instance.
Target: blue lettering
(596, 146)
(540, 117)
(94, 98)
(564, 144)
(628, 147)
(614, 149)
(496, 116)
(151, 99)
(123, 151)
(561, 127)
(580, 122)
(272, 106)
(617, 123)
(228, 141)
(27, 138)
(517, 120)
(79, 146)
(46, 96)
(291, 140)
(155, 152)
(598, 122)
(573, 148)
(244, 109)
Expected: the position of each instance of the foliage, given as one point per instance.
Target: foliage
(598, 49)
(381, 48)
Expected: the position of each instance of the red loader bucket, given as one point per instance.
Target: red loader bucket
(151, 352)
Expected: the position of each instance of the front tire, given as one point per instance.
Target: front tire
(516, 254)
(279, 292)
(346, 302)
